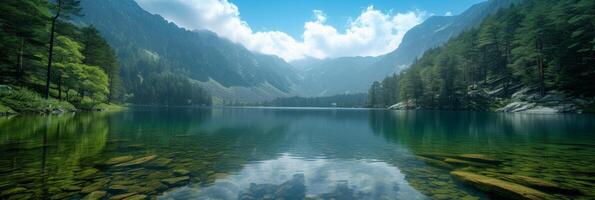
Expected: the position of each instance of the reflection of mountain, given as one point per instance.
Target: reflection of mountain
(293, 178)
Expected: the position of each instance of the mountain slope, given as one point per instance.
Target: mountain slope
(146, 43)
(433, 32)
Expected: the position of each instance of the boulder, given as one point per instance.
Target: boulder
(500, 187)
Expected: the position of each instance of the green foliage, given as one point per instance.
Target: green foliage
(169, 89)
(544, 43)
(342, 100)
(27, 101)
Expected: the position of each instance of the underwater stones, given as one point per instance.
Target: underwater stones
(435, 163)
(96, 195)
(479, 158)
(118, 160)
(218, 176)
(136, 197)
(117, 189)
(63, 195)
(87, 173)
(500, 187)
(70, 188)
(136, 162)
(159, 163)
(176, 181)
(464, 163)
(158, 175)
(181, 172)
(94, 187)
(540, 184)
(155, 186)
(13, 191)
(122, 196)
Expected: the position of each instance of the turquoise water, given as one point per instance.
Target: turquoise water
(274, 153)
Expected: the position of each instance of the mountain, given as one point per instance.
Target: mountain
(433, 32)
(436, 31)
(147, 43)
(331, 76)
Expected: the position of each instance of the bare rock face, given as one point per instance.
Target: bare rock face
(500, 187)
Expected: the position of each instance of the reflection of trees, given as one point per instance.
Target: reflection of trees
(437, 131)
(43, 149)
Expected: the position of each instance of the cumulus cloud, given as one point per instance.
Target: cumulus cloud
(372, 33)
(448, 13)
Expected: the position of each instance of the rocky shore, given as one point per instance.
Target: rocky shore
(524, 100)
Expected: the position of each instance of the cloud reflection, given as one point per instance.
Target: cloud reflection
(286, 175)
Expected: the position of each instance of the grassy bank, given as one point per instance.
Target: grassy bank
(14, 100)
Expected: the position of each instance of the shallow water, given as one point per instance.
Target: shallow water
(254, 153)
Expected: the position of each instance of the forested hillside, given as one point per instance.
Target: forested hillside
(539, 52)
(151, 48)
(354, 74)
(47, 63)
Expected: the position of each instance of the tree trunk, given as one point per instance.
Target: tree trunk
(20, 62)
(51, 51)
(60, 87)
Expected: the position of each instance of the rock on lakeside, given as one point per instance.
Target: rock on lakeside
(524, 100)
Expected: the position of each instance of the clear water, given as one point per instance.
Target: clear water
(255, 153)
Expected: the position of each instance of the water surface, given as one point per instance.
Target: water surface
(254, 153)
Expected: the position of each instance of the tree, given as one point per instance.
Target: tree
(22, 25)
(63, 9)
(97, 52)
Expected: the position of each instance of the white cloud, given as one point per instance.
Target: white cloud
(449, 13)
(372, 33)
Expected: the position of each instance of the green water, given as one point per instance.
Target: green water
(251, 153)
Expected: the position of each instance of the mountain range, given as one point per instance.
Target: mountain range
(147, 43)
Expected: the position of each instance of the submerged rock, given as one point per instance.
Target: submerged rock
(118, 160)
(435, 163)
(13, 191)
(136, 162)
(479, 158)
(94, 187)
(541, 184)
(136, 197)
(122, 196)
(87, 173)
(181, 172)
(96, 195)
(500, 187)
(459, 162)
(176, 181)
(117, 189)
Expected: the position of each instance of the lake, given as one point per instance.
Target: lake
(291, 153)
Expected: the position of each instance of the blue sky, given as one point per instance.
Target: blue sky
(289, 16)
(302, 29)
